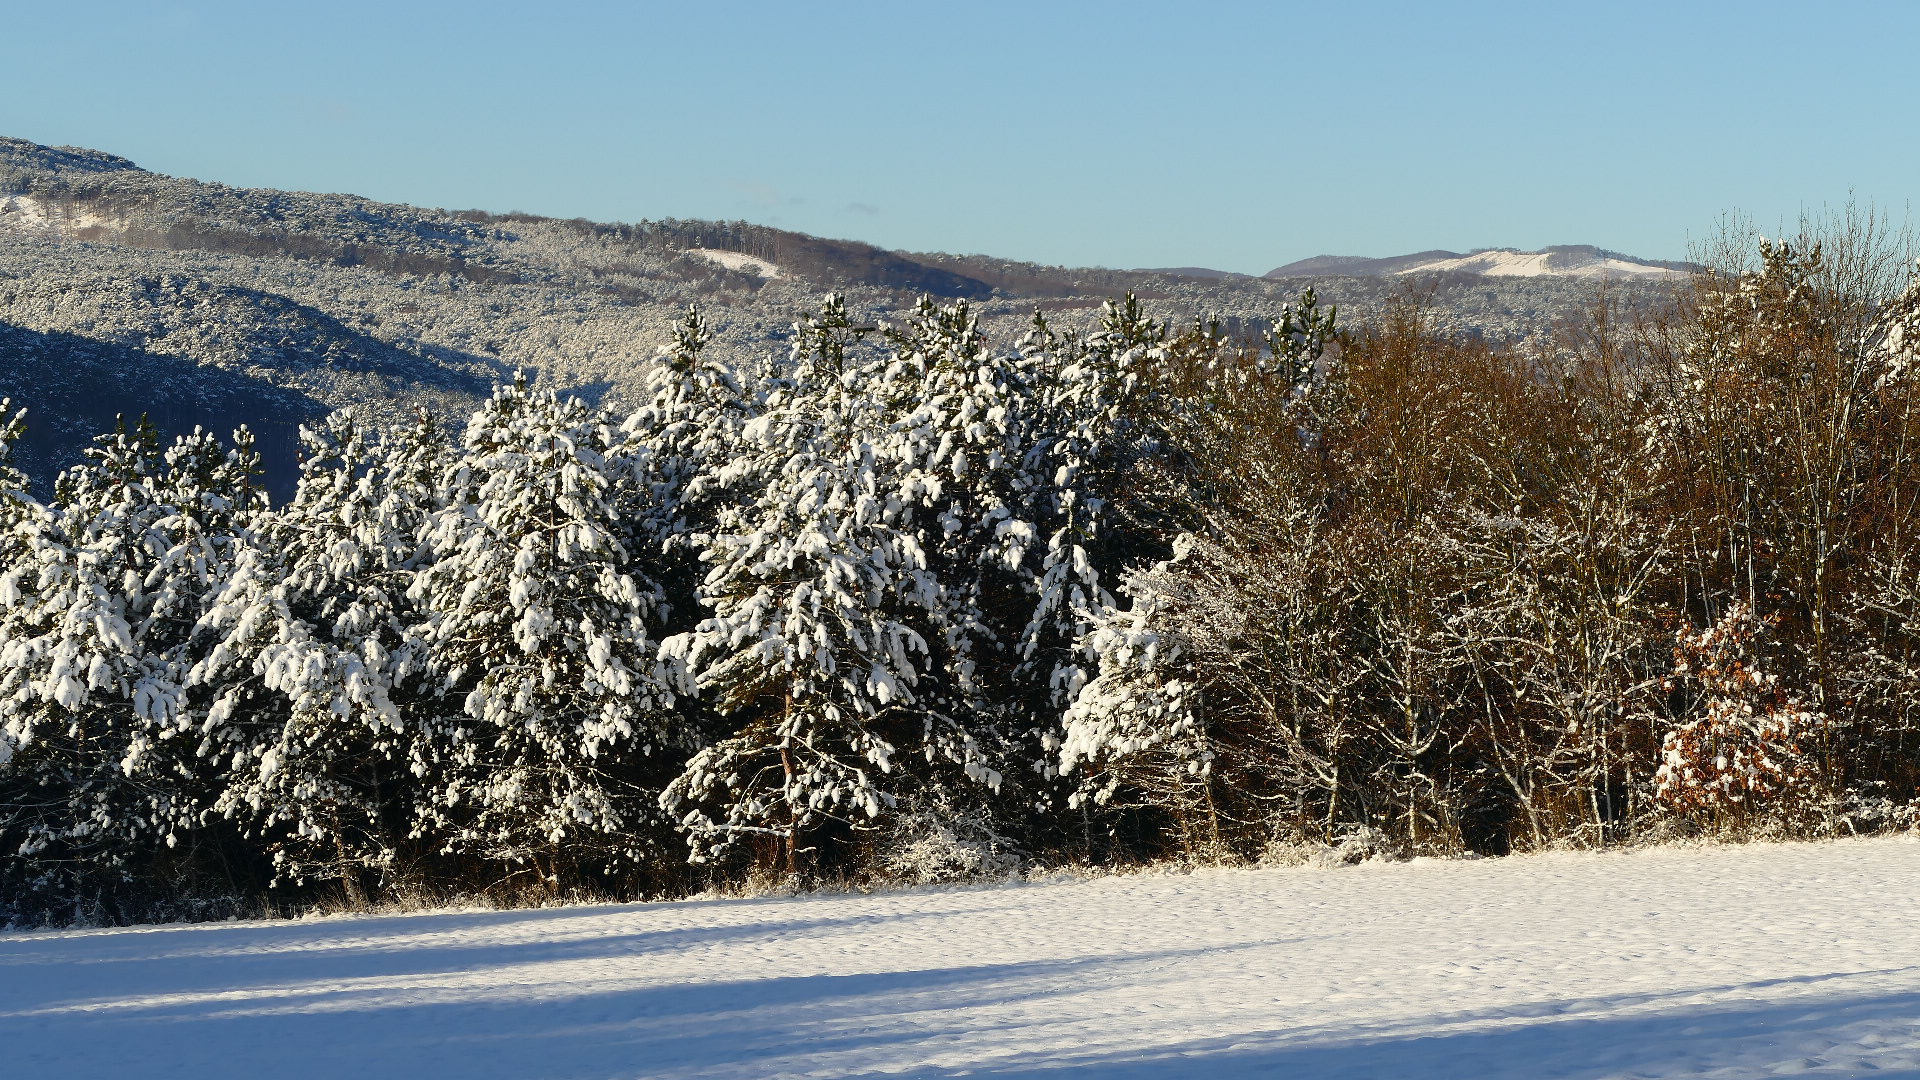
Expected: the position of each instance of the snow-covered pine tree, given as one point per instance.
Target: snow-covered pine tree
(817, 644)
(308, 644)
(112, 764)
(538, 626)
(21, 519)
(684, 434)
(681, 448)
(1186, 649)
(1137, 725)
(1083, 421)
(1297, 343)
(1093, 421)
(956, 436)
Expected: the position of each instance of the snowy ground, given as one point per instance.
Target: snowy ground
(1729, 962)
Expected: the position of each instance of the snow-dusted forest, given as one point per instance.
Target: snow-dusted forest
(919, 602)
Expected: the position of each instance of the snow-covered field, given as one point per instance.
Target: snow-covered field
(1767, 960)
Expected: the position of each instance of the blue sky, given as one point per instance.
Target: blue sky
(1238, 136)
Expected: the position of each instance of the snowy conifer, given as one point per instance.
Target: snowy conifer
(96, 625)
(21, 519)
(1091, 428)
(1136, 723)
(818, 640)
(684, 435)
(537, 622)
(955, 436)
(307, 645)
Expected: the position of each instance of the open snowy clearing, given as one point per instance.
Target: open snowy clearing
(26, 213)
(735, 260)
(1799, 959)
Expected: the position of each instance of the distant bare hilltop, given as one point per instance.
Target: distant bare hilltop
(125, 291)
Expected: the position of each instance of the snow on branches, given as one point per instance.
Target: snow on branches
(823, 605)
(537, 628)
(1748, 746)
(111, 757)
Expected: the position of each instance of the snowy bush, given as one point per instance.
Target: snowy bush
(933, 842)
(1746, 750)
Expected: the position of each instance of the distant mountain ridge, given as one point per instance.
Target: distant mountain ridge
(1193, 272)
(1565, 260)
(129, 291)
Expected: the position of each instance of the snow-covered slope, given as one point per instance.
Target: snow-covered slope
(1728, 962)
(1553, 262)
(28, 214)
(1575, 261)
(735, 260)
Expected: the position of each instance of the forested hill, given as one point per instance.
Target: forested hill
(128, 291)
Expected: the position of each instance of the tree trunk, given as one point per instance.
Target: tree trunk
(793, 813)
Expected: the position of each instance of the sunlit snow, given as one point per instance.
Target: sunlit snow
(28, 214)
(1540, 264)
(734, 260)
(1799, 959)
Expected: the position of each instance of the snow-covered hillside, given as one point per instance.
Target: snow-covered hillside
(1577, 263)
(167, 280)
(1565, 262)
(1796, 959)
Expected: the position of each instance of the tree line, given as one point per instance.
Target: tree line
(914, 604)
